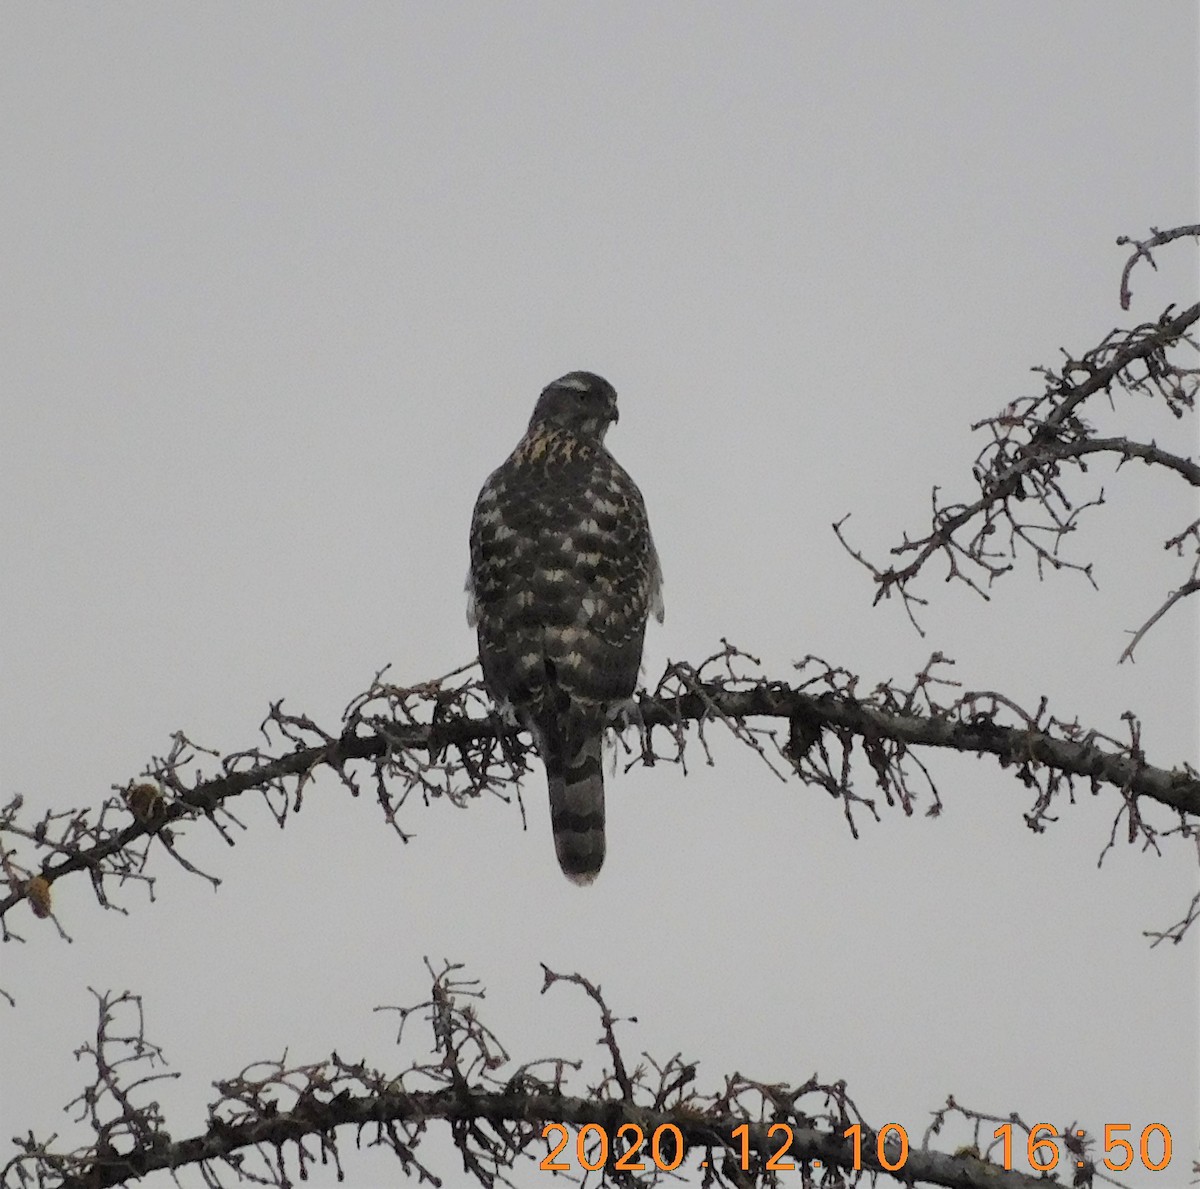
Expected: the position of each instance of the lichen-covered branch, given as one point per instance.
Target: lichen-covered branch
(273, 1122)
(866, 748)
(1029, 501)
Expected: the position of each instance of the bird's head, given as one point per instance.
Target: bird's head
(581, 402)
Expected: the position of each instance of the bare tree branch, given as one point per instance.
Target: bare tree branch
(273, 1118)
(1024, 504)
(430, 741)
(1190, 587)
(1156, 240)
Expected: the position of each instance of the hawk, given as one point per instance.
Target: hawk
(563, 577)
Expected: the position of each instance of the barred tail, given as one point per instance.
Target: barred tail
(577, 813)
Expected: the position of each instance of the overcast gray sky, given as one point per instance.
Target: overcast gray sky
(281, 284)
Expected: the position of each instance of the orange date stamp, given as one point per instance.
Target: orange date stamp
(666, 1148)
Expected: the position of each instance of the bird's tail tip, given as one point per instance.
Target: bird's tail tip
(577, 818)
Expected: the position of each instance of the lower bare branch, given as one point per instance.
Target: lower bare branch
(273, 1117)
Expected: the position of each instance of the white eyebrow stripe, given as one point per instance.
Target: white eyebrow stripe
(572, 382)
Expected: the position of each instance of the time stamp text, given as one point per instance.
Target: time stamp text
(1123, 1147)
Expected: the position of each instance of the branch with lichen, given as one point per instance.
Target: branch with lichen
(1029, 502)
(275, 1121)
(437, 740)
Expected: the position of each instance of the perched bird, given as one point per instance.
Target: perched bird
(563, 577)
